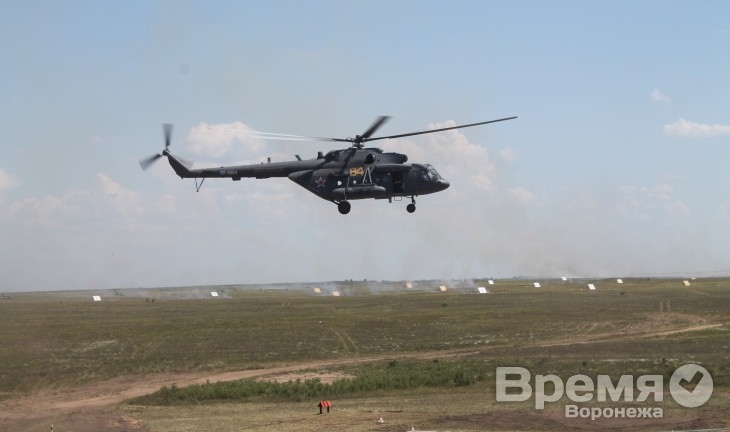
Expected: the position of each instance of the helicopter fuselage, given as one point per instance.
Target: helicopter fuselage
(338, 176)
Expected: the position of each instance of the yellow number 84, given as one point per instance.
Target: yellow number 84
(357, 171)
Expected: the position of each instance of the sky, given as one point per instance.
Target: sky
(615, 167)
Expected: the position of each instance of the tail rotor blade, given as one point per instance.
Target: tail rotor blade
(167, 130)
(167, 133)
(147, 162)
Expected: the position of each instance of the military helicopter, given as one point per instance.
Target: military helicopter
(338, 176)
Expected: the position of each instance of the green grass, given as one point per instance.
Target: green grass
(368, 379)
(390, 378)
(54, 340)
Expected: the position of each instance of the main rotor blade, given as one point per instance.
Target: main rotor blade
(361, 138)
(379, 122)
(288, 137)
(284, 137)
(147, 162)
(439, 130)
(167, 130)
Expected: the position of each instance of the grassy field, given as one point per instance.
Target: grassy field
(59, 341)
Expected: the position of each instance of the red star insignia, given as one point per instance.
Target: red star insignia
(320, 182)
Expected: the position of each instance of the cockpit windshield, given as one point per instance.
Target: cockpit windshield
(433, 174)
(429, 173)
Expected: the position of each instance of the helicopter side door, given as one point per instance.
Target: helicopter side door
(397, 182)
(412, 182)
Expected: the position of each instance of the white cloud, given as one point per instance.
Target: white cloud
(165, 204)
(66, 210)
(508, 153)
(643, 201)
(685, 128)
(7, 181)
(658, 96)
(77, 208)
(126, 201)
(453, 156)
(522, 195)
(723, 212)
(267, 204)
(482, 181)
(216, 140)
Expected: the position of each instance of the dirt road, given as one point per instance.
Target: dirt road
(93, 408)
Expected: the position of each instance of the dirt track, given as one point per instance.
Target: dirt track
(93, 408)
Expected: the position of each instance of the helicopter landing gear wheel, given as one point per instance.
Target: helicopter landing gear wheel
(412, 206)
(343, 207)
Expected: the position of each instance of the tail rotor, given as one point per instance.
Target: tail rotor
(149, 161)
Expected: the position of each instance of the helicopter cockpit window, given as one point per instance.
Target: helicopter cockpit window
(433, 175)
(429, 174)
